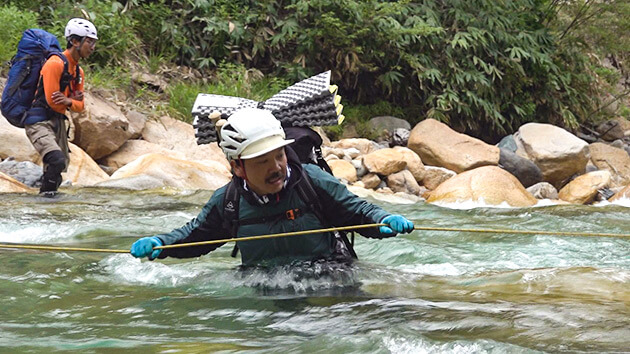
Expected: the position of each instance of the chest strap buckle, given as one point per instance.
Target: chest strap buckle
(291, 214)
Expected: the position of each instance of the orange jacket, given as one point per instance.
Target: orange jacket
(51, 73)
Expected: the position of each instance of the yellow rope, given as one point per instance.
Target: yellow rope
(306, 232)
(522, 232)
(68, 249)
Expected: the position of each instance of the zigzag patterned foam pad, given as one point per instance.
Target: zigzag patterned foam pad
(309, 102)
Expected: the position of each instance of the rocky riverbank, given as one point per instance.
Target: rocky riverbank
(114, 148)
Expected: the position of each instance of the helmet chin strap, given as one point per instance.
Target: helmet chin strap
(81, 46)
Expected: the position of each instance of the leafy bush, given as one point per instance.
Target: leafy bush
(14, 22)
(117, 40)
(483, 65)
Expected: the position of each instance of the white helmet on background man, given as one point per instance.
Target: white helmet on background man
(80, 27)
(251, 132)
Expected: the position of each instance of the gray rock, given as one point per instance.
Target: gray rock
(590, 168)
(619, 144)
(388, 123)
(508, 143)
(543, 190)
(360, 167)
(587, 137)
(526, 171)
(610, 130)
(23, 171)
(399, 137)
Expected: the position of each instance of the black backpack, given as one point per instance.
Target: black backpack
(307, 146)
(297, 151)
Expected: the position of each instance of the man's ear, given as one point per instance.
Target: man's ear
(75, 42)
(237, 168)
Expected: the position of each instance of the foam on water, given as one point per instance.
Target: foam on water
(403, 345)
(624, 202)
(127, 269)
(38, 234)
(481, 203)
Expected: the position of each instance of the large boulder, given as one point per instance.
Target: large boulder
(177, 173)
(558, 153)
(173, 134)
(614, 160)
(439, 145)
(385, 161)
(133, 149)
(583, 189)
(491, 184)
(10, 185)
(82, 170)
(344, 170)
(137, 183)
(14, 143)
(414, 163)
(101, 129)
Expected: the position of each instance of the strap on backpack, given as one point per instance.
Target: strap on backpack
(66, 78)
(64, 81)
(230, 212)
(310, 197)
(22, 75)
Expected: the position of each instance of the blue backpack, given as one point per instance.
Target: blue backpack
(35, 47)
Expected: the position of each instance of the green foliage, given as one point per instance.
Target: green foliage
(14, 22)
(109, 78)
(117, 40)
(484, 66)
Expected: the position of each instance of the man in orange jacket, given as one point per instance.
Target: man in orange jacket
(50, 137)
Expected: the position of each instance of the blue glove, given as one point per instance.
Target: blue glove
(396, 224)
(144, 247)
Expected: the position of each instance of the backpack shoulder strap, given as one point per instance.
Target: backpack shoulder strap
(66, 77)
(230, 211)
(309, 196)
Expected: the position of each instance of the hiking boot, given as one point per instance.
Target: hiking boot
(49, 194)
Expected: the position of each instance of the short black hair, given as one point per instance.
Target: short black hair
(71, 38)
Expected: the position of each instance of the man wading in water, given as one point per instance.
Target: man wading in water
(266, 196)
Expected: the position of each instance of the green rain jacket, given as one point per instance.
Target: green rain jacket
(341, 208)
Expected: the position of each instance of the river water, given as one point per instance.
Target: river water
(427, 292)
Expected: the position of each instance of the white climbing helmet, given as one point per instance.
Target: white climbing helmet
(251, 132)
(80, 27)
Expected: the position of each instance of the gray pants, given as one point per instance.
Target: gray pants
(50, 135)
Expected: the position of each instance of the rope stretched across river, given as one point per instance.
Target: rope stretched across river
(306, 232)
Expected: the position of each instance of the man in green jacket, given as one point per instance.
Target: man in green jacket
(268, 181)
